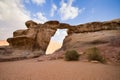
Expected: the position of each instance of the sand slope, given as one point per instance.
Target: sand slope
(53, 46)
(3, 42)
(57, 70)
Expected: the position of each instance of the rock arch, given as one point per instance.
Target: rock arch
(36, 37)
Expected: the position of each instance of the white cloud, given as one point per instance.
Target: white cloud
(39, 17)
(12, 17)
(54, 8)
(59, 35)
(38, 2)
(12, 10)
(67, 11)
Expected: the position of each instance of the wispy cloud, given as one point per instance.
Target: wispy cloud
(39, 2)
(67, 11)
(12, 11)
(54, 8)
(59, 35)
(39, 17)
(13, 16)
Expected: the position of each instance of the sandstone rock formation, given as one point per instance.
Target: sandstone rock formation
(33, 41)
(103, 35)
(89, 33)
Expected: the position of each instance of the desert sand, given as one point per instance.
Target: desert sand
(53, 45)
(57, 70)
(32, 69)
(3, 43)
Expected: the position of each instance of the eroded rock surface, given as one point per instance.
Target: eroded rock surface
(103, 35)
(33, 41)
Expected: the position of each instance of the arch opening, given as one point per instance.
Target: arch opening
(56, 41)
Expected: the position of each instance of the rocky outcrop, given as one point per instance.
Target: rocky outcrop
(33, 41)
(103, 35)
(35, 38)
(86, 40)
(92, 33)
(95, 26)
(29, 43)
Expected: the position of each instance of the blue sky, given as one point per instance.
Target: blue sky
(13, 13)
(88, 10)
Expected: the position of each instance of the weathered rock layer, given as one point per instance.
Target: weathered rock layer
(33, 41)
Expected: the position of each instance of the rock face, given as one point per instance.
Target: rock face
(91, 39)
(33, 41)
(92, 33)
(35, 38)
(103, 35)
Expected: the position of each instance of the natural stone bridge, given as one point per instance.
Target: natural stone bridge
(33, 41)
(36, 37)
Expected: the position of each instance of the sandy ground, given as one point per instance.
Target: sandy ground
(3, 43)
(57, 70)
(53, 46)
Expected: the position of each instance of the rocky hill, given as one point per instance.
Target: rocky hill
(33, 41)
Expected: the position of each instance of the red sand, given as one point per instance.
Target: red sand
(57, 70)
